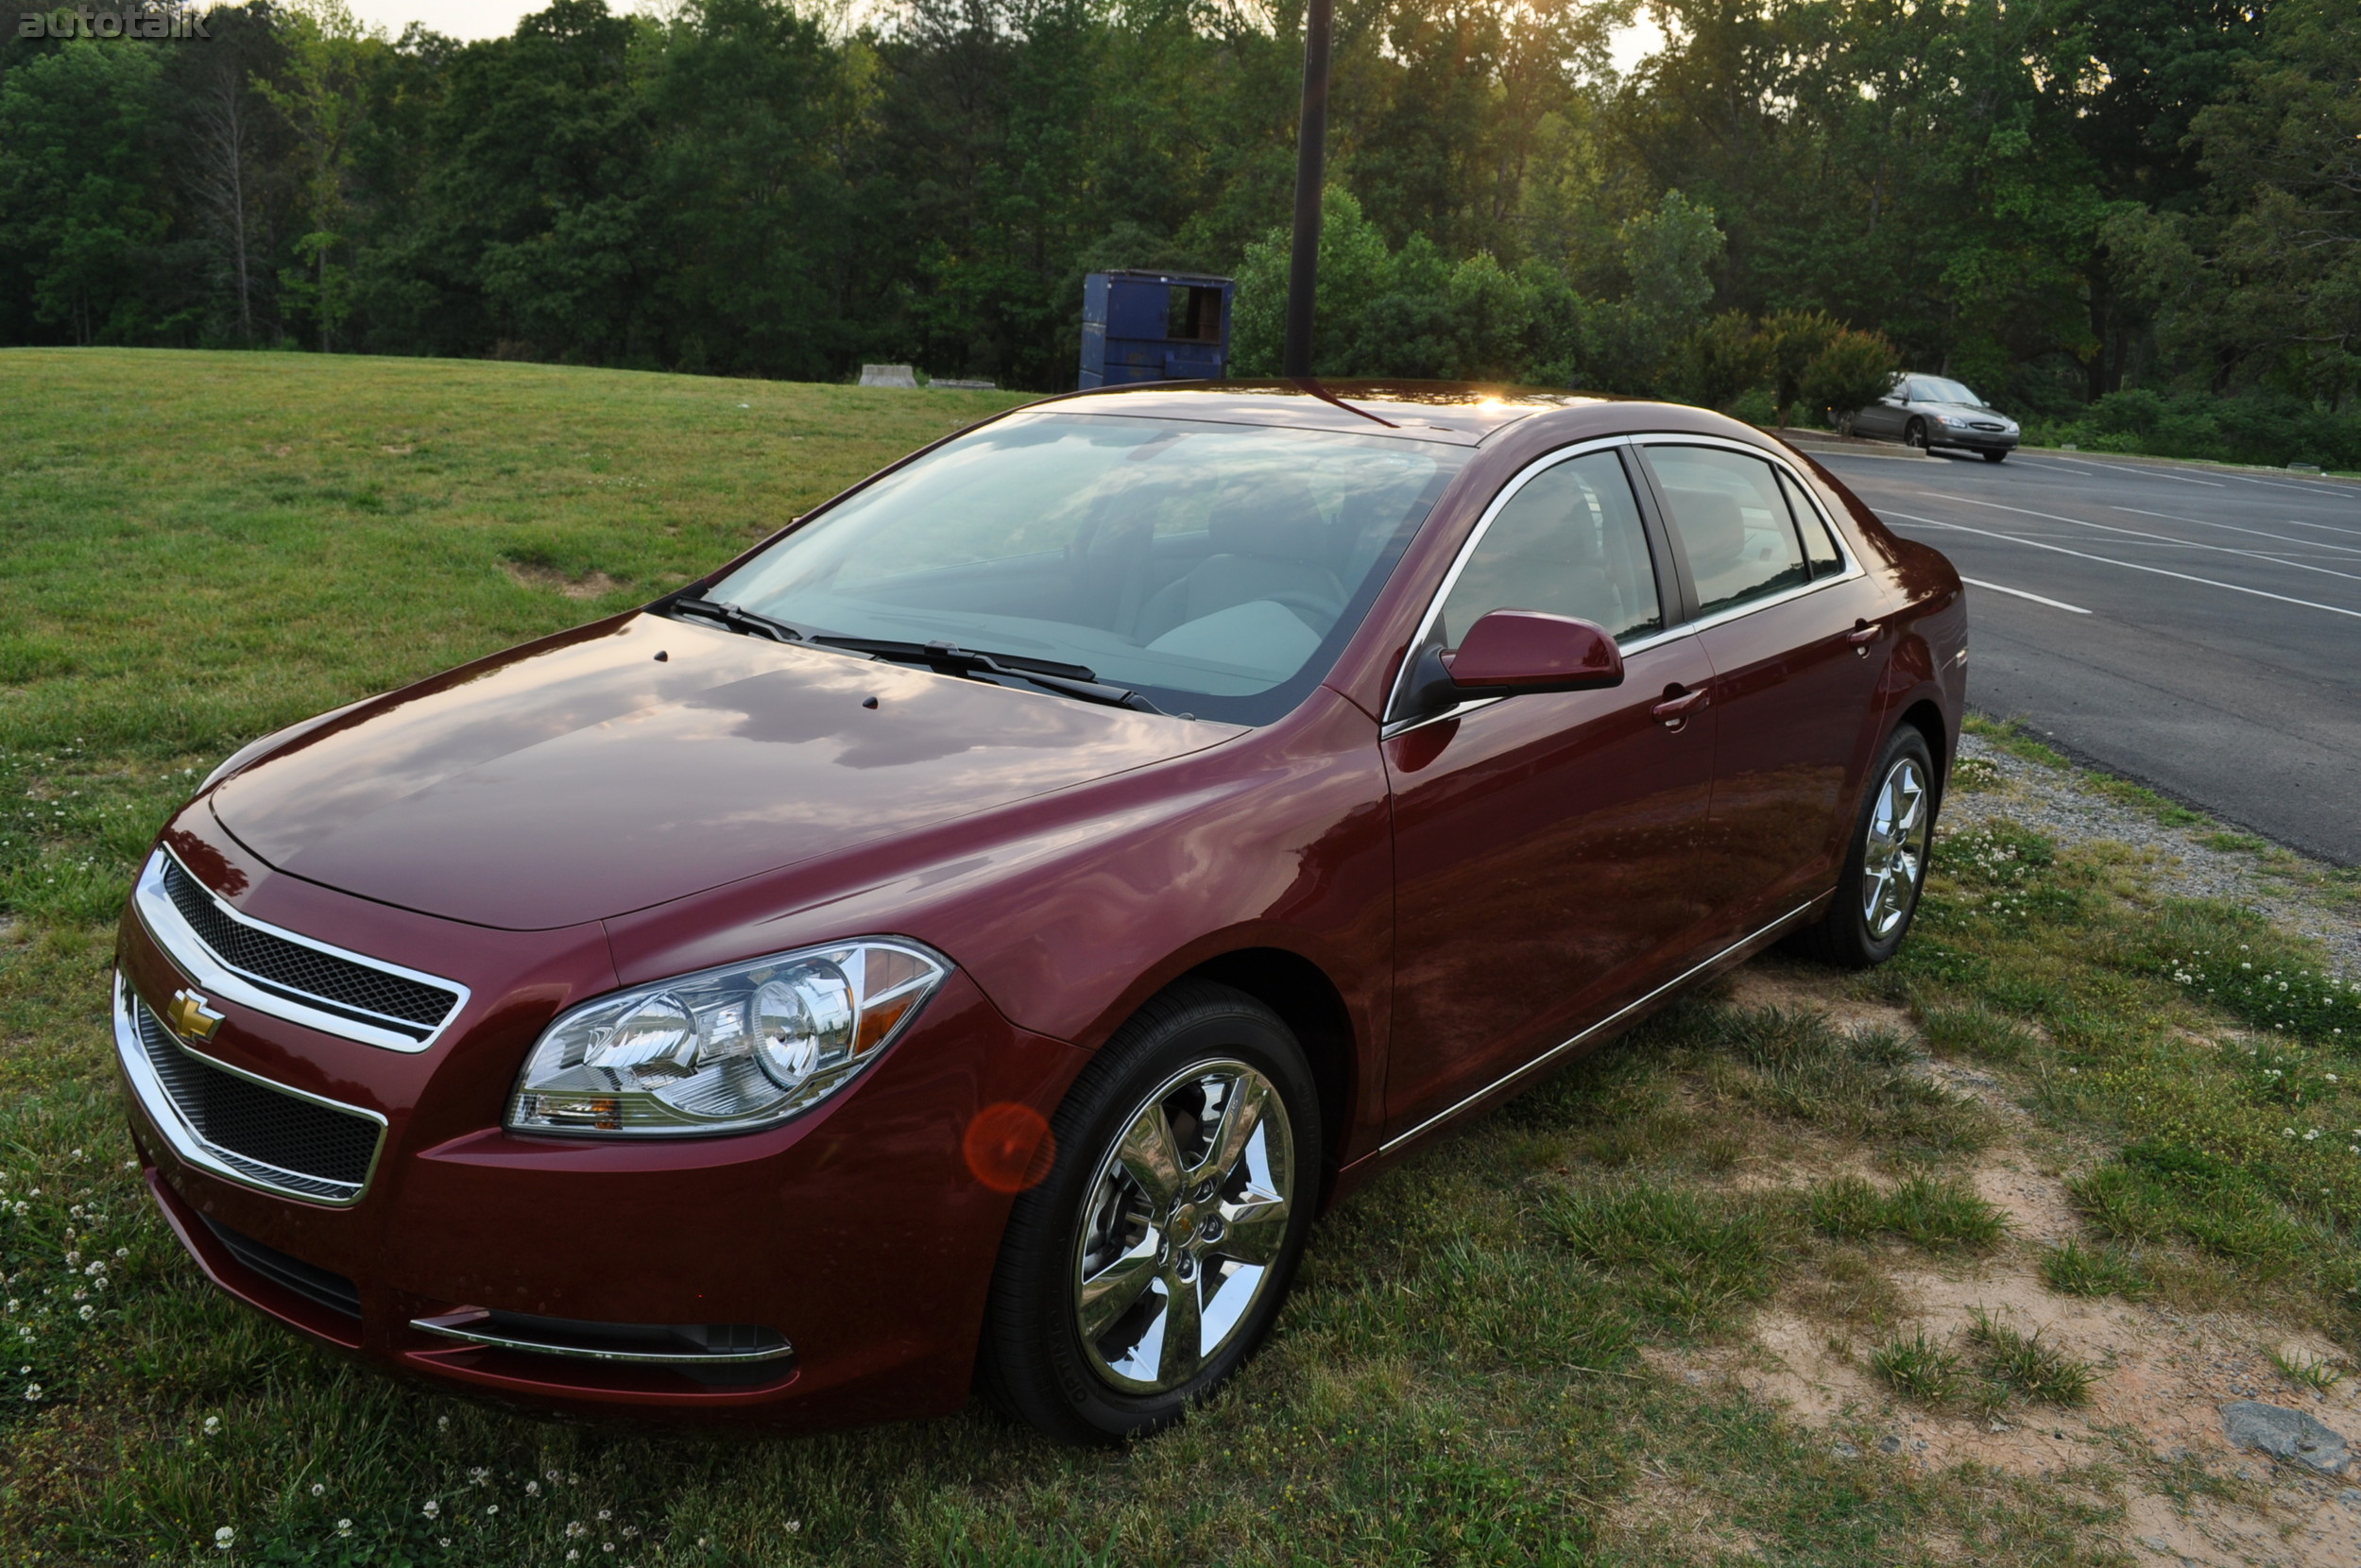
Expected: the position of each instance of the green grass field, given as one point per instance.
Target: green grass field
(1476, 1367)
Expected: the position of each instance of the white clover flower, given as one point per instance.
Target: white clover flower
(86, 1313)
(343, 1527)
(532, 1489)
(491, 1509)
(433, 1510)
(212, 1425)
(32, 1390)
(319, 1489)
(225, 1538)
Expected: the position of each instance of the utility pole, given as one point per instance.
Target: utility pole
(1312, 147)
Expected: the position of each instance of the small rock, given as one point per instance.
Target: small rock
(2284, 1434)
(1890, 1444)
(2350, 1496)
(1844, 1450)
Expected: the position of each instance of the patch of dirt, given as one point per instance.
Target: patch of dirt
(589, 586)
(2155, 1408)
(1771, 983)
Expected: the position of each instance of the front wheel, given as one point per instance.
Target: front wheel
(1153, 1260)
(1885, 870)
(1915, 434)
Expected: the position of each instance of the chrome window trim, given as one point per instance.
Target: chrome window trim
(1625, 1011)
(449, 1326)
(165, 1113)
(210, 974)
(1853, 567)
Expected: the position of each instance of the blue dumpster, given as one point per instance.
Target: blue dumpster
(1154, 326)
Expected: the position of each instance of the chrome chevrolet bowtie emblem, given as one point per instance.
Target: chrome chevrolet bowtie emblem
(192, 1017)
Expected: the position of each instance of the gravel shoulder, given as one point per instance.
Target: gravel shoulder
(2185, 855)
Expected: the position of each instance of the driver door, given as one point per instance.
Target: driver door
(1544, 844)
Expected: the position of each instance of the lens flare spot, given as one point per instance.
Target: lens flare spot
(1009, 1147)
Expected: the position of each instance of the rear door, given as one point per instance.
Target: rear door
(1544, 844)
(1796, 633)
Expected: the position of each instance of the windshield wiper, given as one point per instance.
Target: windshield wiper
(1071, 680)
(737, 619)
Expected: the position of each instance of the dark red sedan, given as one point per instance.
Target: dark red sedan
(965, 941)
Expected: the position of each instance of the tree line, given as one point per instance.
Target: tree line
(2138, 218)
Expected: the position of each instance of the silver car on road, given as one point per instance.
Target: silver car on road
(1935, 411)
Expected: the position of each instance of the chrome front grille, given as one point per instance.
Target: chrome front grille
(239, 1126)
(287, 974)
(307, 971)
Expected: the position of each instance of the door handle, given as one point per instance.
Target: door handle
(1862, 635)
(1674, 710)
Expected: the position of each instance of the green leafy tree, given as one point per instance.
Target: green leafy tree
(81, 214)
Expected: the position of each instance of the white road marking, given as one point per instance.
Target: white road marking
(2066, 462)
(2020, 593)
(2158, 473)
(2142, 533)
(2232, 527)
(2127, 566)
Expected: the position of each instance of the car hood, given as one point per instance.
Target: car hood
(638, 761)
(1972, 410)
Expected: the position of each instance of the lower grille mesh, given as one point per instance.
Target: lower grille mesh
(291, 1144)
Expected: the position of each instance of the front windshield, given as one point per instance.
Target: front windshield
(1215, 569)
(1937, 390)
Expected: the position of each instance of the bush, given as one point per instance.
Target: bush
(1851, 372)
(2263, 427)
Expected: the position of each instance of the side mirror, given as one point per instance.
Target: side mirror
(1512, 651)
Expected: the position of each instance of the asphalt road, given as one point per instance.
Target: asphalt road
(2194, 629)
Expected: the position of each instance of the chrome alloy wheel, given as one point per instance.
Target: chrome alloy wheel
(1185, 1217)
(1894, 856)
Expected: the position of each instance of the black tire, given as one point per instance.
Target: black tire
(1996, 457)
(1850, 935)
(1915, 434)
(1034, 1362)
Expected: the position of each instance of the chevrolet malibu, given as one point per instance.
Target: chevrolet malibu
(965, 941)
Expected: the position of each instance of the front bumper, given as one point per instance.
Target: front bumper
(1973, 440)
(850, 1251)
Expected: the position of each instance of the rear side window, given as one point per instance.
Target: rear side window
(1731, 524)
(1818, 548)
(1570, 542)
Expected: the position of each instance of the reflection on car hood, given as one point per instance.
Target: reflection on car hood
(1973, 410)
(580, 777)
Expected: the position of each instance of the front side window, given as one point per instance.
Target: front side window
(1568, 542)
(1731, 522)
(1214, 568)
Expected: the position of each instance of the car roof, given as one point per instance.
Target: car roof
(1458, 413)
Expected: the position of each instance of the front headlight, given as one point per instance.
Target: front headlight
(725, 1050)
(1952, 418)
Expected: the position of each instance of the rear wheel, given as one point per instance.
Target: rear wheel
(1152, 1262)
(1996, 457)
(1915, 434)
(1885, 870)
